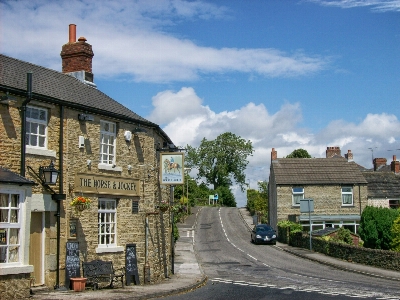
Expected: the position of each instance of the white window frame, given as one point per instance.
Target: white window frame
(297, 193)
(107, 148)
(107, 226)
(347, 193)
(39, 122)
(6, 227)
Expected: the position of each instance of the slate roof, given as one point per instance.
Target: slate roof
(382, 184)
(57, 87)
(316, 171)
(7, 176)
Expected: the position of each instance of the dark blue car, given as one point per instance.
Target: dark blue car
(263, 234)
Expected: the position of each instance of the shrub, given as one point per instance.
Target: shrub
(395, 244)
(343, 236)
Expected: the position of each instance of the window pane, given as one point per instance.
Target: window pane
(347, 199)
(298, 190)
(42, 115)
(14, 200)
(34, 128)
(3, 200)
(14, 240)
(33, 141)
(34, 113)
(3, 254)
(3, 215)
(41, 141)
(42, 129)
(14, 216)
(346, 190)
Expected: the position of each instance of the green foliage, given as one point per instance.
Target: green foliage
(294, 227)
(375, 227)
(395, 245)
(299, 153)
(257, 201)
(225, 196)
(220, 160)
(344, 236)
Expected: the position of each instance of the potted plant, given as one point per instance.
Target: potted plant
(81, 203)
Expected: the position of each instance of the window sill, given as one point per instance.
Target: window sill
(348, 205)
(109, 167)
(9, 269)
(109, 249)
(41, 152)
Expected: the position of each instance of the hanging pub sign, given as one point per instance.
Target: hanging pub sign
(102, 184)
(171, 168)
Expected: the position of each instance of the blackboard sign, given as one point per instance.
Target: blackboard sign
(72, 262)
(131, 264)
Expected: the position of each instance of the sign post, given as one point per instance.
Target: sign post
(307, 205)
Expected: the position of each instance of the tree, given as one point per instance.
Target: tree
(299, 153)
(225, 196)
(221, 160)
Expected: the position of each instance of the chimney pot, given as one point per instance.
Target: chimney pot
(72, 33)
(82, 39)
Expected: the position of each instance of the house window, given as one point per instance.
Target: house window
(347, 195)
(297, 195)
(10, 227)
(107, 142)
(107, 213)
(394, 204)
(36, 127)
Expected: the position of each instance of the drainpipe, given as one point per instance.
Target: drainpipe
(23, 121)
(61, 189)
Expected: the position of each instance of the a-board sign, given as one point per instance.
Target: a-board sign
(72, 262)
(131, 269)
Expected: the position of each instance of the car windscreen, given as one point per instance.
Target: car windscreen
(264, 228)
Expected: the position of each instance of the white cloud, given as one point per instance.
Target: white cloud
(135, 40)
(280, 130)
(376, 5)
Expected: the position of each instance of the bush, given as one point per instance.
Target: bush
(343, 236)
(395, 245)
(375, 227)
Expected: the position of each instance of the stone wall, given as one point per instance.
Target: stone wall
(140, 153)
(327, 201)
(14, 287)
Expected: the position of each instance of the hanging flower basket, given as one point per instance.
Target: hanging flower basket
(81, 203)
(164, 206)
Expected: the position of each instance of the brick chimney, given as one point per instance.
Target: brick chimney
(349, 156)
(395, 165)
(379, 162)
(77, 57)
(274, 154)
(332, 151)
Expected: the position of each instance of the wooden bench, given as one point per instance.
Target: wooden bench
(97, 271)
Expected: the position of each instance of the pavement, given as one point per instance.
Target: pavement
(188, 274)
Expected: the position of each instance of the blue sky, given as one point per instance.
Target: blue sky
(284, 74)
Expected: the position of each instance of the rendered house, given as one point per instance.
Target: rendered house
(384, 183)
(336, 185)
(104, 152)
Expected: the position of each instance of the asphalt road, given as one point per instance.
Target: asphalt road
(238, 269)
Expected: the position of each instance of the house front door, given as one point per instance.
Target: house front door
(36, 247)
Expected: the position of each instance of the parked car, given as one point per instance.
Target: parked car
(263, 234)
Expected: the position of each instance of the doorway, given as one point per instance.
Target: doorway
(36, 247)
